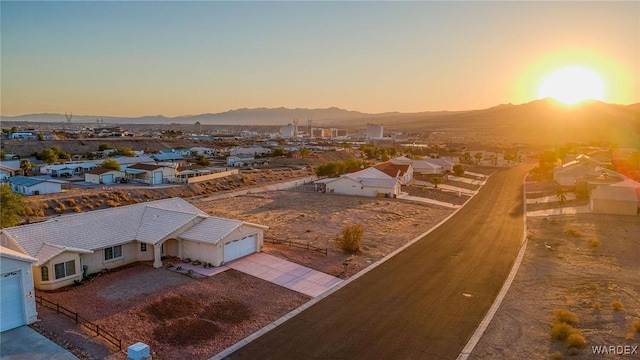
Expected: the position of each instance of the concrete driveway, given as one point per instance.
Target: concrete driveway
(24, 343)
(285, 273)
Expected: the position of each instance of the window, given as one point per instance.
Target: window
(143, 247)
(65, 269)
(113, 252)
(44, 273)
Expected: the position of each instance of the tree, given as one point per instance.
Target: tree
(110, 164)
(478, 157)
(466, 157)
(3, 155)
(561, 194)
(124, 151)
(104, 147)
(435, 181)
(49, 156)
(25, 166)
(458, 169)
(13, 130)
(40, 136)
(350, 238)
(304, 152)
(202, 160)
(11, 207)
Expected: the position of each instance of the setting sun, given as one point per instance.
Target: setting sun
(572, 84)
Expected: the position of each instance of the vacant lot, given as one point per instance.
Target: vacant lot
(582, 263)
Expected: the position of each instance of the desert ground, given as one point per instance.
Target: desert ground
(582, 263)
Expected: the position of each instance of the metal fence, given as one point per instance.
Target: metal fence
(59, 309)
(300, 245)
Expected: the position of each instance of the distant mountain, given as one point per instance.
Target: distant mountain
(542, 121)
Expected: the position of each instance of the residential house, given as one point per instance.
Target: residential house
(189, 171)
(151, 174)
(9, 168)
(423, 167)
(101, 175)
(254, 150)
(240, 160)
(404, 172)
(68, 169)
(622, 198)
(169, 158)
(34, 185)
(126, 161)
(569, 173)
(17, 300)
(197, 150)
(68, 248)
(367, 182)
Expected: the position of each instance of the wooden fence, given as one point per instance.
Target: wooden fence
(59, 309)
(305, 246)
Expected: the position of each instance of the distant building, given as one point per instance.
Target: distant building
(289, 131)
(374, 132)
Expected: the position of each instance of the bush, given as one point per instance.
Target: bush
(573, 232)
(555, 356)
(617, 305)
(349, 239)
(597, 305)
(561, 331)
(565, 316)
(72, 202)
(595, 243)
(636, 326)
(112, 203)
(576, 340)
(77, 208)
(58, 210)
(89, 206)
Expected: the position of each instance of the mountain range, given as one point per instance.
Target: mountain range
(544, 120)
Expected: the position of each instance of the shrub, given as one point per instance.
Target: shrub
(597, 305)
(112, 203)
(630, 335)
(595, 243)
(28, 211)
(89, 206)
(72, 202)
(555, 356)
(77, 208)
(575, 340)
(573, 232)
(57, 210)
(636, 326)
(105, 195)
(561, 331)
(565, 316)
(349, 239)
(617, 305)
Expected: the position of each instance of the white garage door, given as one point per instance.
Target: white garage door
(11, 306)
(239, 248)
(107, 178)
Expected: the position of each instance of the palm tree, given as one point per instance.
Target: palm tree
(25, 166)
(561, 194)
(478, 157)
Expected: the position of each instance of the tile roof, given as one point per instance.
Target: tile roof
(211, 230)
(10, 253)
(146, 167)
(25, 181)
(99, 171)
(392, 169)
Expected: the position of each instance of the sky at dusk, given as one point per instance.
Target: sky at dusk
(180, 58)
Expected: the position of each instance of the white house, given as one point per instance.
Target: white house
(68, 169)
(368, 182)
(151, 174)
(17, 300)
(126, 161)
(621, 198)
(253, 151)
(34, 186)
(68, 248)
(404, 172)
(423, 167)
(101, 175)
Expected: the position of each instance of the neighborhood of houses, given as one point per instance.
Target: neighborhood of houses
(66, 249)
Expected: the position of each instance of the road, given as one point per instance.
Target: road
(425, 302)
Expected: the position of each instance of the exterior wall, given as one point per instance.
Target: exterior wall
(130, 253)
(171, 247)
(92, 178)
(204, 252)
(347, 186)
(618, 207)
(196, 179)
(42, 188)
(8, 265)
(53, 284)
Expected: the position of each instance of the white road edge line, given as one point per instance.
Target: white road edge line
(240, 344)
(475, 338)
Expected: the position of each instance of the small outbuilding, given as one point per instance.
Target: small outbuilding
(17, 299)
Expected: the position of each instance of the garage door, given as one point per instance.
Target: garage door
(107, 178)
(157, 178)
(239, 248)
(11, 306)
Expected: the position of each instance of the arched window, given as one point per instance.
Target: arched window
(44, 273)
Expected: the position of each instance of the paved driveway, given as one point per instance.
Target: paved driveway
(24, 343)
(285, 273)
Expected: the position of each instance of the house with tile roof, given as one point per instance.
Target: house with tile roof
(102, 175)
(152, 174)
(404, 172)
(423, 167)
(70, 247)
(367, 182)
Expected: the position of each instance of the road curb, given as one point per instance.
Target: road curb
(240, 344)
(475, 338)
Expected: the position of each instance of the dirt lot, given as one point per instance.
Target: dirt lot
(182, 317)
(582, 263)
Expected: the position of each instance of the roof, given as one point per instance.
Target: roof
(381, 183)
(99, 171)
(167, 156)
(108, 227)
(123, 160)
(12, 254)
(392, 169)
(146, 167)
(371, 173)
(211, 230)
(25, 180)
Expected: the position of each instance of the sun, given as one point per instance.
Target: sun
(572, 84)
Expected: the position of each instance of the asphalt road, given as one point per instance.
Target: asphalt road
(413, 306)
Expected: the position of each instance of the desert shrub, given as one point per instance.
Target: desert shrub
(62, 206)
(89, 206)
(575, 340)
(77, 208)
(99, 202)
(597, 305)
(147, 196)
(636, 326)
(105, 195)
(630, 335)
(617, 305)
(72, 202)
(28, 211)
(58, 210)
(561, 331)
(555, 356)
(573, 232)
(565, 316)
(350, 238)
(595, 243)
(112, 203)
(45, 206)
